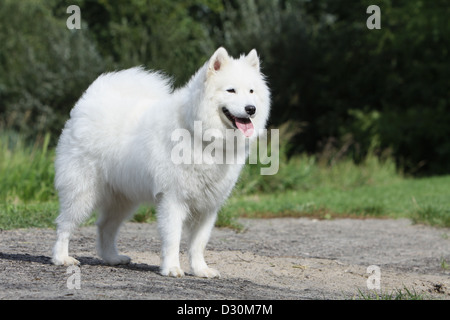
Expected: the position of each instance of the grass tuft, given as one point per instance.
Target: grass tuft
(396, 294)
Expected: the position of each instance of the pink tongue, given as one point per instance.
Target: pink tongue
(245, 125)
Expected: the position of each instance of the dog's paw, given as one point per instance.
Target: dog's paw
(175, 272)
(65, 261)
(206, 273)
(116, 260)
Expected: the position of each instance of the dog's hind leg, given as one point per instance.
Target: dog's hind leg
(74, 209)
(112, 214)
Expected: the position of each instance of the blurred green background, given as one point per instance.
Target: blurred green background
(346, 86)
(361, 112)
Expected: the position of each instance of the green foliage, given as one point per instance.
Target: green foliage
(384, 89)
(332, 168)
(164, 35)
(365, 91)
(304, 186)
(377, 98)
(26, 172)
(356, 191)
(44, 67)
(331, 185)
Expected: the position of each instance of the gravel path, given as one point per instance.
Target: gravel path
(272, 259)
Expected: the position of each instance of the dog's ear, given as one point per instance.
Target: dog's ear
(252, 59)
(218, 60)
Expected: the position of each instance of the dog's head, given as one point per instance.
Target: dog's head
(236, 93)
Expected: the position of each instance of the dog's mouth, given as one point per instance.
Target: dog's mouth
(245, 125)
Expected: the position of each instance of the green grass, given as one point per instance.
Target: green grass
(423, 200)
(26, 172)
(305, 186)
(38, 215)
(397, 294)
(444, 265)
(27, 196)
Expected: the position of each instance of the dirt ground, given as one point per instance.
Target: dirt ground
(271, 259)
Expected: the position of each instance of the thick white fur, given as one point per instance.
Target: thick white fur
(114, 153)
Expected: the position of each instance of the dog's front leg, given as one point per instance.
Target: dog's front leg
(199, 232)
(170, 224)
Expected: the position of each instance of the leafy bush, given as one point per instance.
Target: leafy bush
(44, 67)
(380, 90)
(171, 36)
(384, 89)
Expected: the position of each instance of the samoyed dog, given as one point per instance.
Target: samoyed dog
(115, 153)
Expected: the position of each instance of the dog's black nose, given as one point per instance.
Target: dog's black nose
(250, 109)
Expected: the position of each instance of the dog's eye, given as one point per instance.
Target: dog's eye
(251, 90)
(231, 91)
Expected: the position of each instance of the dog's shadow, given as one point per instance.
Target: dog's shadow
(90, 261)
(25, 257)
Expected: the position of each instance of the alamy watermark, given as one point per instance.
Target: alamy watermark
(374, 21)
(74, 20)
(74, 280)
(210, 146)
(374, 280)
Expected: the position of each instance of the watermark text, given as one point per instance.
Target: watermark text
(212, 146)
(74, 20)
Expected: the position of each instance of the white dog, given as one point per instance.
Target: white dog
(115, 153)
